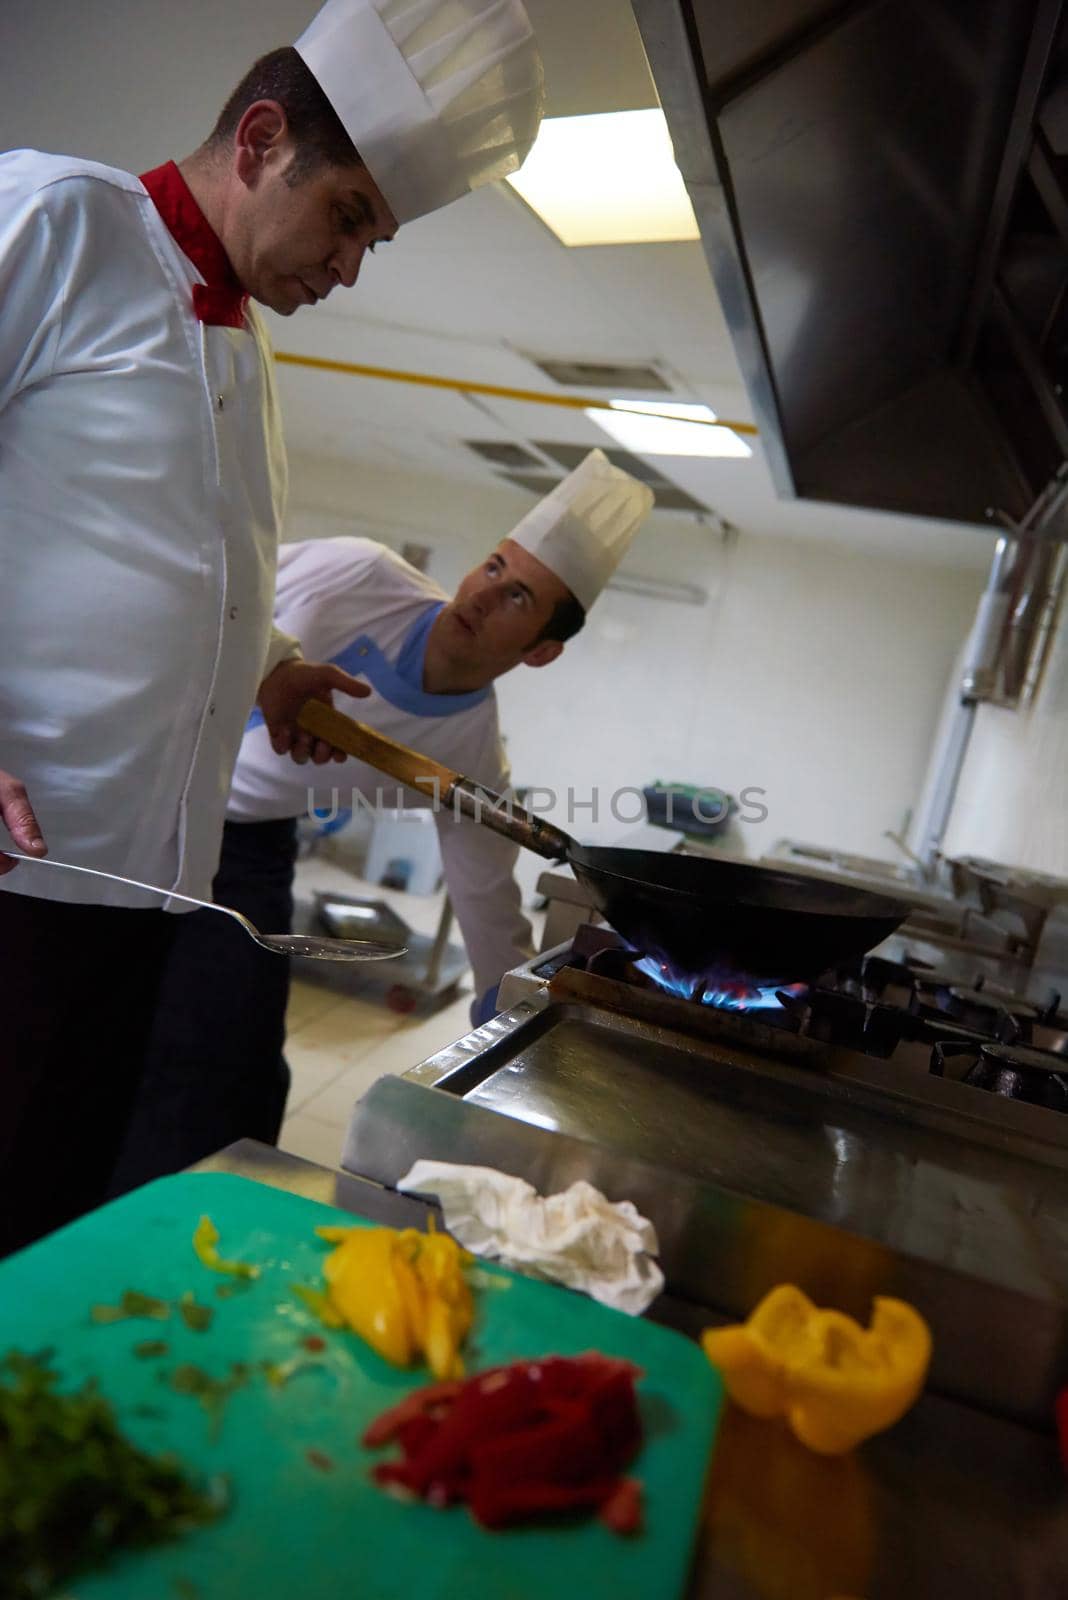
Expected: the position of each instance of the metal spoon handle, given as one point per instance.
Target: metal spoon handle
(277, 943)
(132, 883)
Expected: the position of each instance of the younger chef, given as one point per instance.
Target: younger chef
(217, 1071)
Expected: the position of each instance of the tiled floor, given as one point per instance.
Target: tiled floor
(339, 1044)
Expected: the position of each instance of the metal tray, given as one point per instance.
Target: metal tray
(348, 917)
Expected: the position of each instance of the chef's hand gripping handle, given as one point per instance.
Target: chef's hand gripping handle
(445, 787)
(356, 739)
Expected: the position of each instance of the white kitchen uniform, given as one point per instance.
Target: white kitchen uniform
(354, 602)
(142, 482)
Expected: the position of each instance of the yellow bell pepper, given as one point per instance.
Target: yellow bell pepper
(206, 1245)
(835, 1382)
(404, 1292)
(318, 1304)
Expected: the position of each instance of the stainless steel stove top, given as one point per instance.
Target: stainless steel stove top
(764, 1152)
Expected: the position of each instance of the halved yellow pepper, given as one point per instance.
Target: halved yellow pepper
(362, 1283)
(404, 1292)
(835, 1382)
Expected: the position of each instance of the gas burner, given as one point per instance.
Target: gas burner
(1015, 1071)
(890, 983)
(591, 940)
(1046, 1014)
(600, 952)
(895, 1011)
(975, 1009)
(724, 990)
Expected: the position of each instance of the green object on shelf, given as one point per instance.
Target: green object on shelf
(687, 807)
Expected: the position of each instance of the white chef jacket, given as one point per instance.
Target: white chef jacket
(142, 482)
(355, 602)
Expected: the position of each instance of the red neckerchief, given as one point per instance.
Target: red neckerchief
(220, 299)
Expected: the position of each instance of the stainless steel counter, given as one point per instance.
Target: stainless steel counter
(264, 1164)
(952, 1502)
(898, 1156)
(761, 1156)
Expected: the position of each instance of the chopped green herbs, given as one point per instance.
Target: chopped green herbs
(146, 1348)
(212, 1393)
(194, 1316)
(73, 1490)
(132, 1304)
(279, 1373)
(135, 1304)
(233, 1286)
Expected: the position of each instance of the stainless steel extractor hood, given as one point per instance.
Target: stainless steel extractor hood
(882, 192)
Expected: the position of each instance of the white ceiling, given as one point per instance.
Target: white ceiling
(469, 292)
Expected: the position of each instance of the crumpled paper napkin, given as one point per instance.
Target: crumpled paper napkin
(577, 1237)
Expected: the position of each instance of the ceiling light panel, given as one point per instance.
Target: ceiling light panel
(687, 430)
(607, 179)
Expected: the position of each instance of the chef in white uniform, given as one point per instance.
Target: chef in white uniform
(217, 1072)
(142, 486)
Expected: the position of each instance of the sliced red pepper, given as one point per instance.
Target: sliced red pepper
(522, 1440)
(414, 1434)
(622, 1511)
(495, 1505)
(387, 1423)
(478, 1411)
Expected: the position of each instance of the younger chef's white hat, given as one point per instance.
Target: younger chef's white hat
(438, 96)
(583, 528)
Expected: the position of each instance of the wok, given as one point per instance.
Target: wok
(698, 914)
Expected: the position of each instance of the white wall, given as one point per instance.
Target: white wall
(1010, 805)
(814, 673)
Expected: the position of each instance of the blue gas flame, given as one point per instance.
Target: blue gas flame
(725, 992)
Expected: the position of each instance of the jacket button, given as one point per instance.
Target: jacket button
(211, 709)
(218, 402)
(233, 613)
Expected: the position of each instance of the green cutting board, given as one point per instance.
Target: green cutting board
(296, 1531)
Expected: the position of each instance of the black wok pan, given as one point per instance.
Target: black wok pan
(698, 914)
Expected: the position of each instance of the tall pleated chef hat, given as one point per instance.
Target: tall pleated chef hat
(584, 527)
(438, 96)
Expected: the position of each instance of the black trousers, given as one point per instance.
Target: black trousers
(77, 992)
(215, 1070)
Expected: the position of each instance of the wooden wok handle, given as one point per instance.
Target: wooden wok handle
(356, 739)
(441, 783)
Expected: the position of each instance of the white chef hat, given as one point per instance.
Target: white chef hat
(583, 528)
(438, 96)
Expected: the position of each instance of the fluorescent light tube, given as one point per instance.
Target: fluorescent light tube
(607, 179)
(678, 430)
